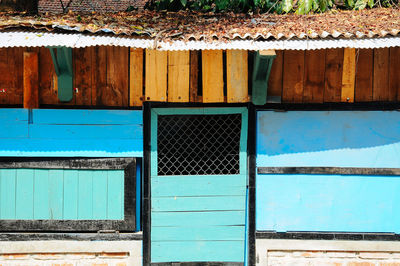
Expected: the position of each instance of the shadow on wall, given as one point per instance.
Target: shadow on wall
(328, 138)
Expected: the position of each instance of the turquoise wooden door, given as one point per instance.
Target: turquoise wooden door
(198, 184)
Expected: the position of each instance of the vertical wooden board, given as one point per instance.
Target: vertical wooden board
(31, 80)
(8, 178)
(136, 77)
(213, 76)
(394, 74)
(85, 195)
(47, 78)
(14, 90)
(364, 75)
(56, 194)
(41, 206)
(115, 195)
(116, 91)
(156, 75)
(333, 75)
(178, 76)
(237, 76)
(314, 82)
(99, 73)
(276, 76)
(24, 194)
(380, 91)
(293, 76)
(82, 62)
(194, 76)
(5, 80)
(100, 195)
(70, 195)
(348, 77)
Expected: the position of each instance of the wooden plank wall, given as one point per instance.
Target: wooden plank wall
(123, 77)
(336, 75)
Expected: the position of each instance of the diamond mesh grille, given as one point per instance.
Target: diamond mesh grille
(198, 144)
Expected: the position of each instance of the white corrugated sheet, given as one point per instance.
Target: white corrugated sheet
(80, 40)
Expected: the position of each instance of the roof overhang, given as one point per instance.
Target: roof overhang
(81, 40)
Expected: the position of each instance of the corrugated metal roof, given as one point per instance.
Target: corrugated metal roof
(193, 31)
(79, 40)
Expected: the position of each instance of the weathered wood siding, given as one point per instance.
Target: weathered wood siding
(122, 77)
(328, 202)
(61, 133)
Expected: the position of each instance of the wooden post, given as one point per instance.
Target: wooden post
(136, 77)
(349, 75)
(31, 80)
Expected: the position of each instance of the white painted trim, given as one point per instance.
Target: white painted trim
(263, 246)
(80, 40)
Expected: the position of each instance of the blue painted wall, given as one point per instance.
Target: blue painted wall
(75, 133)
(328, 202)
(58, 194)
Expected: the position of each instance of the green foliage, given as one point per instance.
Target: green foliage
(300, 7)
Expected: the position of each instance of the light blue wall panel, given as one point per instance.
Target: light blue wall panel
(63, 133)
(58, 194)
(328, 203)
(323, 138)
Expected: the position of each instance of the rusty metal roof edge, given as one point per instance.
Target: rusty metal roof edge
(80, 40)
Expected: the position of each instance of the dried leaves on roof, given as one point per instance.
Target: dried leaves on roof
(209, 26)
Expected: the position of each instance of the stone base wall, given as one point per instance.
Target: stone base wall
(71, 253)
(327, 252)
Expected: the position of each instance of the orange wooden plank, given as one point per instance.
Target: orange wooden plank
(31, 80)
(348, 77)
(136, 77)
(394, 74)
(276, 76)
(156, 75)
(213, 76)
(293, 76)
(364, 75)
(314, 82)
(237, 76)
(380, 91)
(178, 76)
(194, 76)
(333, 75)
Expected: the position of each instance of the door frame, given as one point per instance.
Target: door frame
(150, 115)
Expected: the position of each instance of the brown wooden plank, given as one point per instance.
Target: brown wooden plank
(136, 77)
(364, 75)
(394, 74)
(348, 76)
(333, 75)
(276, 76)
(380, 91)
(293, 76)
(100, 76)
(213, 76)
(156, 75)
(116, 91)
(83, 75)
(314, 77)
(178, 76)
(31, 80)
(194, 76)
(11, 85)
(47, 78)
(237, 76)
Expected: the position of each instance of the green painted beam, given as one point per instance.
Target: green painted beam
(62, 60)
(261, 70)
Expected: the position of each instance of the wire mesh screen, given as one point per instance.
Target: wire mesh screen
(198, 144)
